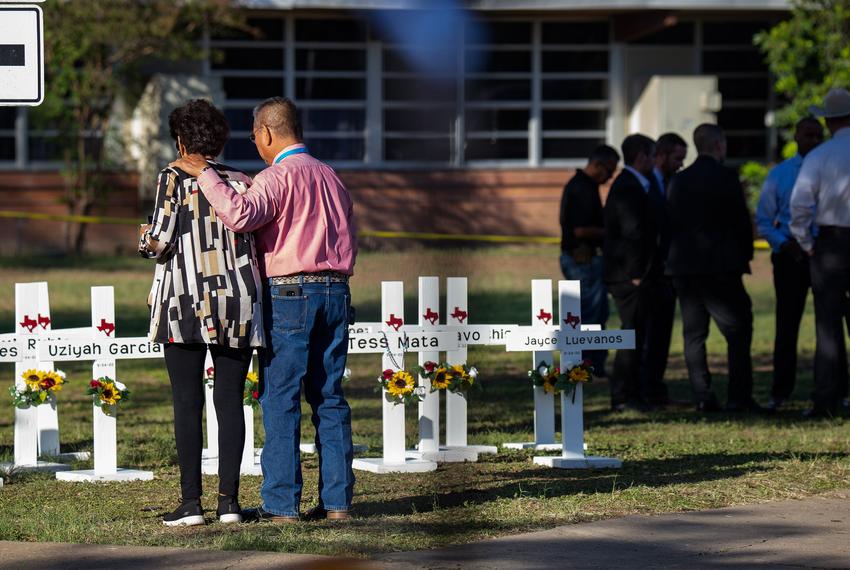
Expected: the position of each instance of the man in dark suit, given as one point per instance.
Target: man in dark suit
(710, 249)
(631, 263)
(670, 152)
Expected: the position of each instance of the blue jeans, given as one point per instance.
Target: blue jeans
(307, 342)
(594, 300)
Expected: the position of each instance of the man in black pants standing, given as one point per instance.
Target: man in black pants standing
(631, 264)
(821, 195)
(790, 263)
(710, 249)
(670, 152)
(581, 241)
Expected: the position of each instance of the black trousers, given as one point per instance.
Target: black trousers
(723, 298)
(185, 364)
(791, 281)
(635, 377)
(830, 272)
(656, 345)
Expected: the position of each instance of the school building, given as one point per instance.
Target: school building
(451, 120)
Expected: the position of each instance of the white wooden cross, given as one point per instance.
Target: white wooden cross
(570, 340)
(456, 314)
(393, 342)
(457, 318)
(250, 464)
(544, 403)
(104, 349)
(36, 427)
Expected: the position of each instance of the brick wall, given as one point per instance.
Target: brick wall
(42, 192)
(503, 202)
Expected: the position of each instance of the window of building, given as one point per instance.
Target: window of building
(500, 91)
(8, 118)
(574, 88)
(498, 83)
(744, 83)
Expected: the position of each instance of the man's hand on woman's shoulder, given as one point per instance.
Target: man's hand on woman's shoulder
(191, 164)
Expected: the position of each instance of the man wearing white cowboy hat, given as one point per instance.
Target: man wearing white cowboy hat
(822, 195)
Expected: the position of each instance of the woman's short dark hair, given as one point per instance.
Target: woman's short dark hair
(202, 128)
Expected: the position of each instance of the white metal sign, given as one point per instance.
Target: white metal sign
(21, 55)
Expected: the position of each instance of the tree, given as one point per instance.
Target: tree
(808, 54)
(94, 51)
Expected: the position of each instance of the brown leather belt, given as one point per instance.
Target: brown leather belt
(321, 277)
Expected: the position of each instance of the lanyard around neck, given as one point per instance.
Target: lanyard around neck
(299, 150)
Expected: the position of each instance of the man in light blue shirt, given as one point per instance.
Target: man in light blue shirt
(791, 278)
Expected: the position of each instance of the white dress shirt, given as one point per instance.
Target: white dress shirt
(822, 190)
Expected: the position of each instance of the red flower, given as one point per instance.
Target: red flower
(429, 366)
(171, 339)
(586, 363)
(387, 374)
(95, 383)
(255, 395)
(210, 371)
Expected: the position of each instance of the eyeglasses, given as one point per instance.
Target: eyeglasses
(253, 137)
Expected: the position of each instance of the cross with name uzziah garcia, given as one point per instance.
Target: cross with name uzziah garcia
(97, 344)
(570, 340)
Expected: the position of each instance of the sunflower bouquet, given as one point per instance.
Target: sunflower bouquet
(252, 390)
(553, 380)
(546, 377)
(399, 387)
(108, 393)
(40, 387)
(581, 373)
(456, 378)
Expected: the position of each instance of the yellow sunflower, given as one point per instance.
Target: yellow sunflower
(442, 376)
(51, 381)
(549, 383)
(401, 384)
(253, 378)
(464, 376)
(579, 375)
(109, 393)
(33, 378)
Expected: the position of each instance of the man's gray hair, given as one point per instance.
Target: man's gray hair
(279, 115)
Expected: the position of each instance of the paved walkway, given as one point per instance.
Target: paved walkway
(810, 533)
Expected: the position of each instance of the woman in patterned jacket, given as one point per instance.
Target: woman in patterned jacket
(205, 295)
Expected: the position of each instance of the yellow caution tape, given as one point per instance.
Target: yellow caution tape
(759, 243)
(69, 218)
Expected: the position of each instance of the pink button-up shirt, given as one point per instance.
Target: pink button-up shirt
(299, 210)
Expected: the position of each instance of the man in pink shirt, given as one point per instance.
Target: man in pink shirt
(302, 219)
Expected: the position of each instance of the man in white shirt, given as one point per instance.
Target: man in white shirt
(821, 197)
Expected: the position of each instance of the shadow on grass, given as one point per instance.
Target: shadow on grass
(548, 483)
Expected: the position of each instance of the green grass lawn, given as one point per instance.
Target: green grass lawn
(673, 461)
